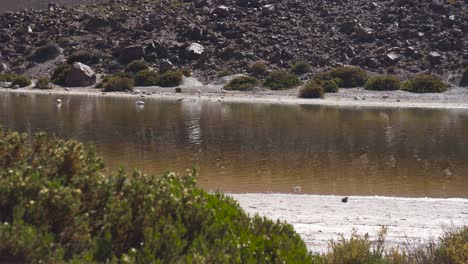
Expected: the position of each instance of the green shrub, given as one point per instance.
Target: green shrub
(453, 246)
(351, 76)
(58, 205)
(242, 83)
(136, 66)
(170, 79)
(280, 80)
(300, 68)
(43, 83)
(118, 84)
(60, 73)
(147, 78)
(424, 83)
(338, 82)
(45, 53)
(383, 83)
(258, 68)
(330, 86)
(225, 72)
(311, 90)
(86, 57)
(20, 80)
(186, 72)
(464, 79)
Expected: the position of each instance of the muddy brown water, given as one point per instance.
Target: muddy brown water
(243, 148)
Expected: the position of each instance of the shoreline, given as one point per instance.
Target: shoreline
(319, 218)
(354, 97)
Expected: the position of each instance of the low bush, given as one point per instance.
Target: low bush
(280, 80)
(383, 83)
(43, 83)
(311, 90)
(242, 83)
(170, 79)
(147, 78)
(60, 74)
(136, 66)
(20, 80)
(351, 76)
(300, 68)
(186, 72)
(330, 86)
(424, 83)
(464, 79)
(47, 52)
(58, 206)
(118, 84)
(258, 68)
(85, 57)
(225, 72)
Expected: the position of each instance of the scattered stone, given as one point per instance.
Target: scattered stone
(5, 84)
(131, 53)
(165, 66)
(194, 51)
(344, 200)
(435, 58)
(221, 11)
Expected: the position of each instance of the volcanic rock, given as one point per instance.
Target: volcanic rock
(80, 75)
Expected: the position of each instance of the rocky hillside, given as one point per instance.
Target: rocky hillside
(15, 5)
(208, 35)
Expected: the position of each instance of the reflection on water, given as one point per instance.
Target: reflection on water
(263, 148)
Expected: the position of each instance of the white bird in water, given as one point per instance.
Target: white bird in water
(297, 189)
(140, 102)
(59, 101)
(67, 89)
(199, 92)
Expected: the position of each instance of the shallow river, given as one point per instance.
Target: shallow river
(244, 148)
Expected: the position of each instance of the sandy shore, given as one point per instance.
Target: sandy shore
(456, 97)
(319, 218)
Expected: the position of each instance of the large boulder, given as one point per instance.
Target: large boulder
(194, 51)
(80, 75)
(131, 53)
(221, 11)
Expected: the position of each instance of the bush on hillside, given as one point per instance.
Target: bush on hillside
(136, 66)
(242, 83)
(85, 57)
(383, 83)
(300, 68)
(464, 79)
(330, 86)
(20, 80)
(119, 84)
(147, 78)
(60, 74)
(46, 52)
(258, 68)
(225, 72)
(280, 80)
(424, 83)
(43, 83)
(186, 72)
(311, 90)
(58, 205)
(351, 76)
(170, 79)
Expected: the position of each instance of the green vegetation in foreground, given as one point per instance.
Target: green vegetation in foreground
(383, 83)
(242, 83)
(58, 204)
(43, 83)
(258, 68)
(20, 80)
(85, 57)
(300, 67)
(281, 80)
(225, 72)
(149, 77)
(60, 74)
(311, 89)
(424, 83)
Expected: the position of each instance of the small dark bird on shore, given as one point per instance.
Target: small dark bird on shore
(344, 200)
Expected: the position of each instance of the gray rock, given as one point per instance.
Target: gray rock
(80, 75)
(3, 67)
(194, 51)
(5, 84)
(435, 58)
(221, 11)
(131, 53)
(165, 66)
